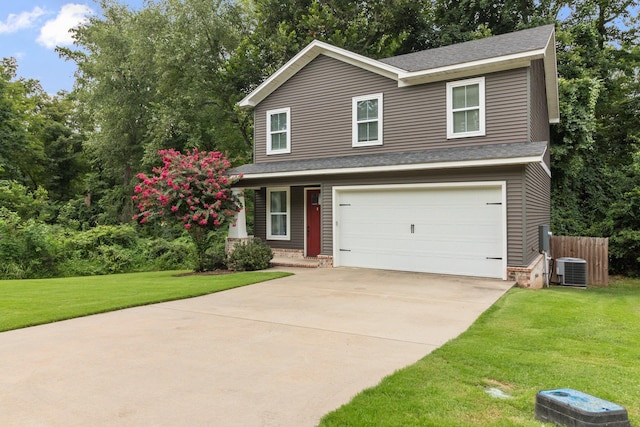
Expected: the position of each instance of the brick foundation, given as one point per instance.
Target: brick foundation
(288, 253)
(531, 276)
(324, 261)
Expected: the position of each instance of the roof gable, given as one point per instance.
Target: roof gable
(491, 54)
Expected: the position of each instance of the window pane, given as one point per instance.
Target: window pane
(473, 95)
(278, 225)
(368, 131)
(373, 131)
(473, 120)
(278, 202)
(363, 132)
(279, 141)
(459, 97)
(367, 110)
(460, 121)
(279, 122)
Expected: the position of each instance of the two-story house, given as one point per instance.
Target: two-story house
(435, 161)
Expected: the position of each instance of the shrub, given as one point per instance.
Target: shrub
(28, 249)
(250, 256)
(215, 255)
(171, 254)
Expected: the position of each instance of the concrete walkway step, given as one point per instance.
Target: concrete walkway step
(295, 262)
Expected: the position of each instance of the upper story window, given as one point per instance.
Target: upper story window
(279, 131)
(465, 108)
(278, 213)
(367, 120)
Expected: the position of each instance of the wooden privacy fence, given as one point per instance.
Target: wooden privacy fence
(594, 250)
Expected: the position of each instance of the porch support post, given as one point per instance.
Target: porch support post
(240, 230)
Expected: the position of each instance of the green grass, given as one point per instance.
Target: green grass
(528, 341)
(34, 302)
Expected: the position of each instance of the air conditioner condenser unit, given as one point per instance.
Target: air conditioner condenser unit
(572, 271)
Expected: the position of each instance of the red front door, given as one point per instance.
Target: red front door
(313, 222)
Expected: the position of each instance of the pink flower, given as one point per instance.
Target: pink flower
(187, 226)
(174, 208)
(203, 222)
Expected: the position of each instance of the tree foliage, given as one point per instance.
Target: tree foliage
(190, 189)
(168, 76)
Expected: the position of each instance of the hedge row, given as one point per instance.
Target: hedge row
(33, 249)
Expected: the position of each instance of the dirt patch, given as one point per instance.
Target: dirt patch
(504, 386)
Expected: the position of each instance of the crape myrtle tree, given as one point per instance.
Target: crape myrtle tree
(192, 190)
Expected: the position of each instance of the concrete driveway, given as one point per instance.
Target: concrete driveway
(278, 353)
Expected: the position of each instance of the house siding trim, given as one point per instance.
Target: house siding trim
(355, 141)
(287, 149)
(451, 133)
(287, 213)
(440, 185)
(397, 168)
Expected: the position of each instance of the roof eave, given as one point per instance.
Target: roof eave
(398, 168)
(483, 66)
(304, 57)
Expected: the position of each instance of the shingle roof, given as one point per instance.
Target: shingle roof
(489, 55)
(431, 156)
(474, 50)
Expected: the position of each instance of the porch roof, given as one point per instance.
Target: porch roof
(440, 158)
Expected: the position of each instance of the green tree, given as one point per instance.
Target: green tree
(152, 79)
(192, 190)
(594, 146)
(462, 20)
(21, 156)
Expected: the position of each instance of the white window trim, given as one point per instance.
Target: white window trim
(481, 94)
(268, 128)
(354, 120)
(288, 213)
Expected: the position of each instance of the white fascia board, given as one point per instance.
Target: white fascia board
(307, 55)
(465, 69)
(399, 168)
(368, 64)
(551, 79)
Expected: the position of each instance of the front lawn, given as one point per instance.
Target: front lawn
(528, 341)
(37, 301)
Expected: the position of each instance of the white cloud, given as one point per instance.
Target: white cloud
(55, 32)
(20, 21)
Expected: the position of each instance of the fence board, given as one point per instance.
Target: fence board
(594, 250)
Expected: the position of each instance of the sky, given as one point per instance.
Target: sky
(30, 30)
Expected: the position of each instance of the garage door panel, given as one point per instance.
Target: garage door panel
(443, 230)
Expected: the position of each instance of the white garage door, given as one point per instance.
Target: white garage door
(448, 230)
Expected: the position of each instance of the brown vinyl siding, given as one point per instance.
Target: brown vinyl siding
(260, 214)
(538, 210)
(297, 218)
(320, 97)
(513, 175)
(539, 113)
